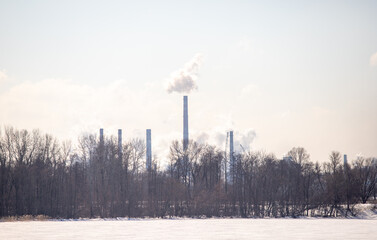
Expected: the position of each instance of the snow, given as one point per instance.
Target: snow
(366, 211)
(310, 228)
(364, 226)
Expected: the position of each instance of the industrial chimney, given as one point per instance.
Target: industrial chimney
(101, 135)
(149, 150)
(120, 143)
(185, 123)
(231, 148)
(345, 160)
(231, 158)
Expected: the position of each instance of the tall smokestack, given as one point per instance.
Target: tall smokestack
(149, 150)
(231, 158)
(120, 143)
(185, 123)
(345, 160)
(101, 135)
(231, 148)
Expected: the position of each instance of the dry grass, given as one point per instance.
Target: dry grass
(24, 218)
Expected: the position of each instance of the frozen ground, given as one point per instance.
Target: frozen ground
(362, 227)
(311, 228)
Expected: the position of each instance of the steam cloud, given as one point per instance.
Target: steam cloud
(244, 139)
(184, 80)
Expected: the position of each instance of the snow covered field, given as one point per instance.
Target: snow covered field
(311, 228)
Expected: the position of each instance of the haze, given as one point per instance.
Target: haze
(280, 74)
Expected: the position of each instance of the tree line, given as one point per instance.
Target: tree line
(41, 176)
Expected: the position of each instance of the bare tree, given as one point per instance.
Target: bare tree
(366, 177)
(39, 175)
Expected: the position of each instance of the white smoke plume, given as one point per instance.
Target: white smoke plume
(202, 138)
(184, 80)
(243, 140)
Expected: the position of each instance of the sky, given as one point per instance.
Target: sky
(281, 74)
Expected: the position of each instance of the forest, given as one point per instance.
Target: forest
(41, 176)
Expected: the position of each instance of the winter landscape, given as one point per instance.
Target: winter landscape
(188, 119)
(193, 229)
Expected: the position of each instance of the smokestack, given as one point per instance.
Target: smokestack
(345, 160)
(101, 135)
(185, 123)
(149, 150)
(231, 149)
(120, 143)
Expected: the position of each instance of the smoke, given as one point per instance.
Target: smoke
(202, 138)
(244, 139)
(219, 138)
(184, 80)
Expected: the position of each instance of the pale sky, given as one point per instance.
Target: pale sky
(281, 74)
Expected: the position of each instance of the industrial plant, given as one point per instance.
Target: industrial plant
(229, 153)
(228, 165)
(111, 178)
